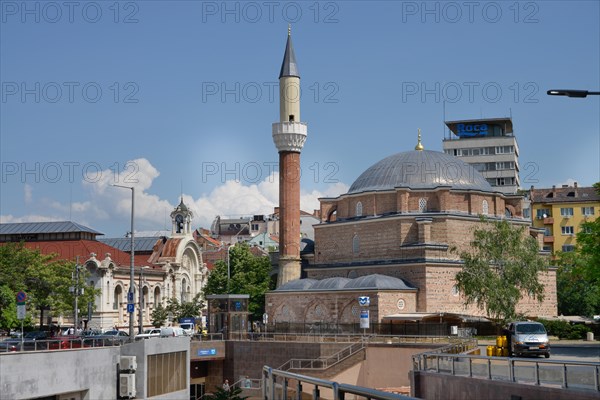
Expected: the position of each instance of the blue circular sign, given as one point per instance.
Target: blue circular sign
(21, 297)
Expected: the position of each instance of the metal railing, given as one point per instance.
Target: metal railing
(565, 374)
(323, 362)
(274, 390)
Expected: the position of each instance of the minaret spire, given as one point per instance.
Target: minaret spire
(289, 135)
(419, 146)
(289, 66)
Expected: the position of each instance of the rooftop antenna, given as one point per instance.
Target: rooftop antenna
(444, 120)
(70, 201)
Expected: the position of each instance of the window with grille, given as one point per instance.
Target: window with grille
(484, 207)
(422, 204)
(359, 209)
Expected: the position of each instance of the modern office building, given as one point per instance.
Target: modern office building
(490, 146)
(561, 211)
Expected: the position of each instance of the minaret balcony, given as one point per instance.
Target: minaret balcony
(289, 136)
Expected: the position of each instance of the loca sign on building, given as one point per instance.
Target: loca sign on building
(464, 130)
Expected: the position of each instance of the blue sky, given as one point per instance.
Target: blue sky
(179, 97)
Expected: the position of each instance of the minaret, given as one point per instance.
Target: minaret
(289, 135)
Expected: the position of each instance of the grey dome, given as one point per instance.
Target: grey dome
(423, 169)
(377, 281)
(373, 282)
(330, 283)
(298, 284)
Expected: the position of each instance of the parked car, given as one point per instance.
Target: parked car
(35, 340)
(148, 333)
(528, 337)
(172, 331)
(108, 338)
(67, 342)
(11, 344)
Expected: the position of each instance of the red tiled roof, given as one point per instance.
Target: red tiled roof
(70, 249)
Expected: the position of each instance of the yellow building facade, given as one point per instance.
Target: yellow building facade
(561, 211)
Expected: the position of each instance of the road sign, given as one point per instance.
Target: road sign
(21, 311)
(130, 307)
(364, 319)
(265, 318)
(130, 297)
(21, 297)
(364, 301)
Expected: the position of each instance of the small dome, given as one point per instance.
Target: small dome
(373, 282)
(298, 284)
(330, 283)
(420, 169)
(379, 282)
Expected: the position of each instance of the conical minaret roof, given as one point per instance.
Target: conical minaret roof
(289, 66)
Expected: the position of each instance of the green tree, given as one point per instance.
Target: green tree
(191, 308)
(501, 265)
(44, 278)
(578, 275)
(159, 316)
(249, 275)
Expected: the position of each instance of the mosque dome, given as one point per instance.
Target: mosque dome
(419, 170)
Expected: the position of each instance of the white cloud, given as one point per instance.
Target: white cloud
(9, 218)
(113, 204)
(27, 193)
(569, 182)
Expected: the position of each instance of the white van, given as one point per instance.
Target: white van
(528, 337)
(188, 327)
(172, 331)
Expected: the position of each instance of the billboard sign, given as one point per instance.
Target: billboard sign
(471, 130)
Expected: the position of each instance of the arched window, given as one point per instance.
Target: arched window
(182, 294)
(484, 208)
(359, 209)
(118, 293)
(507, 213)
(157, 299)
(422, 204)
(145, 297)
(355, 244)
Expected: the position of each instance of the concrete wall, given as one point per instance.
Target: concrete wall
(432, 386)
(144, 348)
(88, 374)
(46, 373)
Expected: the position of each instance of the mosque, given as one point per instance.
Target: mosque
(393, 238)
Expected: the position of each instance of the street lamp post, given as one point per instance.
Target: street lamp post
(228, 265)
(131, 260)
(141, 299)
(571, 93)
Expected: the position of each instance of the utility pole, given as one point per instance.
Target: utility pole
(130, 303)
(76, 290)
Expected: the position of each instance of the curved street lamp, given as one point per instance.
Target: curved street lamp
(571, 93)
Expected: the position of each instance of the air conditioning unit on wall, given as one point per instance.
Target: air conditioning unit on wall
(127, 386)
(128, 363)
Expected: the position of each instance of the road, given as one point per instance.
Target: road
(582, 351)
